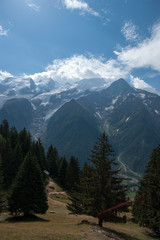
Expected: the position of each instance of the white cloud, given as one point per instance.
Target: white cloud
(80, 5)
(80, 67)
(71, 70)
(4, 75)
(145, 54)
(33, 5)
(129, 31)
(141, 84)
(3, 32)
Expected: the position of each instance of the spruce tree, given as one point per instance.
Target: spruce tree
(37, 150)
(7, 161)
(146, 208)
(4, 129)
(100, 187)
(24, 138)
(52, 161)
(72, 173)
(28, 192)
(81, 197)
(17, 159)
(1, 187)
(13, 137)
(62, 171)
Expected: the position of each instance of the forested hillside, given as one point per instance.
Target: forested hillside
(98, 189)
(72, 118)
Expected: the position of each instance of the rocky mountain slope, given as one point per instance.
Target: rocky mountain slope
(73, 130)
(131, 117)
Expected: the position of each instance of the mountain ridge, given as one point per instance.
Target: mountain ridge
(129, 116)
(72, 130)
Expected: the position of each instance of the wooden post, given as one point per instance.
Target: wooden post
(100, 222)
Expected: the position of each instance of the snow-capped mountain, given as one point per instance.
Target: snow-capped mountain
(45, 95)
(131, 117)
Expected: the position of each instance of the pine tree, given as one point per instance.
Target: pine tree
(13, 137)
(81, 197)
(28, 193)
(17, 159)
(146, 209)
(72, 173)
(7, 161)
(4, 129)
(52, 161)
(37, 150)
(1, 187)
(62, 171)
(25, 141)
(100, 186)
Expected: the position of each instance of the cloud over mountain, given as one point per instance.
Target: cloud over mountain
(146, 54)
(79, 67)
(80, 5)
(32, 4)
(4, 75)
(129, 31)
(3, 32)
(141, 84)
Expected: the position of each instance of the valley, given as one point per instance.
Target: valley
(73, 116)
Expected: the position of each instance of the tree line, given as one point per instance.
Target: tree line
(22, 171)
(92, 189)
(146, 209)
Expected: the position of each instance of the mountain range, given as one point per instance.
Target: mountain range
(73, 116)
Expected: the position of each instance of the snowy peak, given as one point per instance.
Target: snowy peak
(130, 117)
(22, 86)
(92, 84)
(120, 87)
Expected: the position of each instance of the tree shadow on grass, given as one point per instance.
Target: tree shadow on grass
(119, 234)
(28, 218)
(110, 232)
(128, 237)
(153, 234)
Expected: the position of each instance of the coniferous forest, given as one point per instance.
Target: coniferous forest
(94, 188)
(22, 171)
(146, 210)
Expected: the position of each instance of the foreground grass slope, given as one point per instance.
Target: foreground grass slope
(63, 226)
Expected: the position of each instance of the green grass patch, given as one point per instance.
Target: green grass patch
(62, 199)
(57, 187)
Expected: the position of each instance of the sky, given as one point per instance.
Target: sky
(69, 40)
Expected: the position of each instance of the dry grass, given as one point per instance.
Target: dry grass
(53, 226)
(63, 226)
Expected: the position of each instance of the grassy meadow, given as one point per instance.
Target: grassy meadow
(63, 226)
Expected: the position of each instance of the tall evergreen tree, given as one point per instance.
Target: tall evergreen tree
(25, 141)
(81, 197)
(13, 137)
(7, 161)
(37, 150)
(100, 186)
(62, 171)
(17, 159)
(4, 129)
(146, 209)
(52, 161)
(28, 192)
(1, 187)
(72, 173)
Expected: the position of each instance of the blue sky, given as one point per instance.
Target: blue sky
(75, 39)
